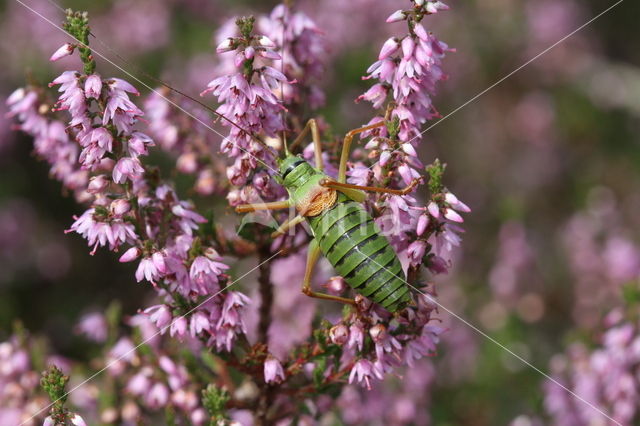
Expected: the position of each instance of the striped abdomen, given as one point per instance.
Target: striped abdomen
(352, 242)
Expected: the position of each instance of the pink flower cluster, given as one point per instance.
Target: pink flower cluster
(18, 383)
(374, 343)
(408, 68)
(247, 97)
(302, 49)
(130, 206)
(606, 376)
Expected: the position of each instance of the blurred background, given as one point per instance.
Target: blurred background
(548, 160)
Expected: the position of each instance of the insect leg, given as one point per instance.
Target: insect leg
(317, 144)
(346, 187)
(290, 223)
(312, 258)
(275, 205)
(346, 148)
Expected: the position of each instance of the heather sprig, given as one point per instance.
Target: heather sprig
(54, 383)
(186, 257)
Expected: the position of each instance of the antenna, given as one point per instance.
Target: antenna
(284, 111)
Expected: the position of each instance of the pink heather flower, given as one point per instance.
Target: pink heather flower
(339, 334)
(139, 383)
(273, 372)
(376, 94)
(138, 143)
(356, 336)
(396, 16)
(437, 265)
(189, 219)
(93, 86)
(160, 315)
(416, 251)
(388, 48)
(94, 326)
(451, 215)
(455, 203)
(336, 285)
(423, 222)
(178, 327)
(64, 50)
(99, 233)
(119, 207)
(204, 268)
(97, 184)
(130, 255)
(76, 420)
(433, 209)
(158, 396)
(48, 421)
(127, 168)
(198, 323)
(363, 371)
(72, 97)
(119, 109)
(225, 46)
(151, 268)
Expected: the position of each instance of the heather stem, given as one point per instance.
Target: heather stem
(266, 297)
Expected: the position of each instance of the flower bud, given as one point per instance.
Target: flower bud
(409, 149)
(64, 50)
(97, 184)
(388, 48)
(265, 41)
(362, 303)
(407, 47)
(226, 46)
(378, 332)
(249, 52)
(384, 158)
(129, 255)
(187, 163)
(120, 207)
(93, 86)
(212, 254)
(336, 285)
(453, 216)
(423, 222)
(434, 210)
(396, 16)
(339, 334)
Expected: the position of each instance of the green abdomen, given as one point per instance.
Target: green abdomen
(352, 242)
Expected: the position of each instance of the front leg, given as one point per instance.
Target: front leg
(346, 148)
(346, 188)
(275, 205)
(290, 223)
(312, 258)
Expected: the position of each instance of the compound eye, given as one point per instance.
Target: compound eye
(291, 167)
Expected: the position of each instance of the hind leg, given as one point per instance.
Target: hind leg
(312, 258)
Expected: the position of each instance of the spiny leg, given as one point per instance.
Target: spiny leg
(317, 143)
(275, 205)
(346, 148)
(347, 186)
(312, 258)
(288, 224)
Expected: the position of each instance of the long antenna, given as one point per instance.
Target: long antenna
(284, 111)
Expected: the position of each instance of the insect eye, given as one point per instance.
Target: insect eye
(291, 167)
